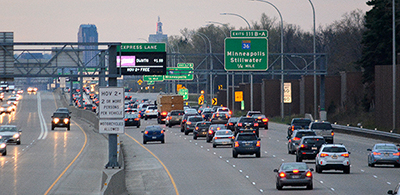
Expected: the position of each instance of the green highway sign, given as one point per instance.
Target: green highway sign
(246, 54)
(153, 78)
(249, 33)
(185, 93)
(179, 73)
(142, 47)
(150, 82)
(190, 65)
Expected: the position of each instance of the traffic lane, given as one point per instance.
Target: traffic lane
(33, 166)
(195, 170)
(336, 181)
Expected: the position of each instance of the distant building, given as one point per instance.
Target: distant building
(88, 34)
(159, 37)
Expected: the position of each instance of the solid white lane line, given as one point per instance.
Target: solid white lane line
(40, 119)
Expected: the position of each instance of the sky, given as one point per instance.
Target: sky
(131, 21)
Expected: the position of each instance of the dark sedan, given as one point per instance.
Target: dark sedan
(212, 129)
(298, 123)
(132, 120)
(294, 174)
(201, 129)
(262, 120)
(153, 133)
(309, 147)
(384, 154)
(231, 123)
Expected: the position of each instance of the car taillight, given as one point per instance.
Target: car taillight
(139, 115)
(189, 123)
(396, 154)
(125, 119)
(376, 153)
(236, 144)
(210, 131)
(346, 155)
(240, 124)
(203, 115)
(265, 120)
(323, 155)
(162, 131)
(332, 133)
(292, 127)
(164, 113)
(216, 137)
(230, 112)
(136, 119)
(308, 174)
(303, 146)
(295, 171)
(146, 132)
(197, 128)
(256, 124)
(282, 174)
(230, 124)
(258, 144)
(183, 121)
(233, 137)
(296, 138)
(147, 111)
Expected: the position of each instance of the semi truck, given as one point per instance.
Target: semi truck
(167, 103)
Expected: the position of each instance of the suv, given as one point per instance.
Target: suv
(261, 119)
(298, 123)
(309, 147)
(150, 112)
(206, 114)
(184, 119)
(294, 140)
(251, 113)
(191, 123)
(246, 143)
(201, 129)
(333, 156)
(246, 124)
(323, 129)
(174, 118)
(60, 119)
(219, 118)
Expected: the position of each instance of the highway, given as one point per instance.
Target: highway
(70, 162)
(197, 168)
(53, 162)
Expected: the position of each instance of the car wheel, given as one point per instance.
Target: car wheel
(186, 133)
(318, 168)
(234, 154)
(266, 127)
(298, 159)
(181, 129)
(346, 170)
(258, 154)
(214, 146)
(278, 187)
(163, 141)
(68, 128)
(4, 153)
(194, 137)
(310, 186)
(169, 125)
(397, 165)
(372, 165)
(145, 118)
(52, 128)
(18, 142)
(138, 126)
(144, 142)
(208, 140)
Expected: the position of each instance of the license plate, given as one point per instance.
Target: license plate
(203, 133)
(386, 154)
(314, 148)
(334, 157)
(295, 176)
(154, 137)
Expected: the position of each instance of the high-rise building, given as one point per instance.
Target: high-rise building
(88, 34)
(159, 37)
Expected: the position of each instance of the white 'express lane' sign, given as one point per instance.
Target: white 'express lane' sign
(111, 104)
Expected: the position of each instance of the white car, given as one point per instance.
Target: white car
(333, 157)
(150, 112)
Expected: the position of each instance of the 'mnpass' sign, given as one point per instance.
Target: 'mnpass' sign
(246, 54)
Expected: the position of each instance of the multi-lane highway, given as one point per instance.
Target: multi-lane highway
(53, 162)
(197, 168)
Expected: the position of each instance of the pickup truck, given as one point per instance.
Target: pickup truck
(324, 129)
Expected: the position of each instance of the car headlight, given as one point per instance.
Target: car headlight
(56, 120)
(66, 120)
(16, 135)
(3, 145)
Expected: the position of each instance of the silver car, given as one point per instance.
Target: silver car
(223, 137)
(384, 154)
(10, 133)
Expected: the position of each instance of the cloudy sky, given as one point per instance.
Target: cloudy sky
(134, 20)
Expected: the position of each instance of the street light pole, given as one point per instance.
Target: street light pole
(211, 22)
(394, 63)
(282, 81)
(315, 63)
(211, 67)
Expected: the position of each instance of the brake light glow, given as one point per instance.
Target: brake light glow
(345, 155)
(230, 112)
(197, 128)
(309, 174)
(396, 154)
(210, 131)
(240, 124)
(332, 133)
(236, 144)
(230, 124)
(256, 124)
(189, 123)
(295, 171)
(303, 146)
(265, 120)
(162, 131)
(282, 174)
(324, 155)
(125, 119)
(164, 113)
(146, 132)
(376, 153)
(136, 119)
(296, 138)
(258, 144)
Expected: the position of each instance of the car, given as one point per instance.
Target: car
(247, 144)
(206, 114)
(261, 119)
(219, 118)
(150, 112)
(90, 107)
(384, 153)
(298, 123)
(184, 119)
(32, 89)
(333, 156)
(225, 110)
(246, 124)
(127, 96)
(212, 129)
(7, 108)
(61, 119)
(153, 133)
(191, 123)
(223, 137)
(10, 134)
(174, 118)
(201, 129)
(12, 100)
(309, 147)
(3, 147)
(294, 174)
(191, 111)
(231, 123)
(294, 140)
(142, 108)
(132, 119)
(395, 191)
(324, 129)
(251, 113)
(1, 96)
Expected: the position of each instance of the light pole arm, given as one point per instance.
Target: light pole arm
(233, 14)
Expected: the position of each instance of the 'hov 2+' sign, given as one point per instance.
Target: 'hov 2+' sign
(111, 103)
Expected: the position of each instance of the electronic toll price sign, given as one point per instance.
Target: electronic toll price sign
(142, 59)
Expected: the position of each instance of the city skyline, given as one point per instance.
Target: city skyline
(133, 21)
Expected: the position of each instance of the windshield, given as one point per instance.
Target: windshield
(247, 137)
(326, 126)
(314, 141)
(334, 149)
(294, 166)
(301, 122)
(247, 120)
(60, 114)
(195, 119)
(385, 147)
(4, 129)
(224, 132)
(203, 124)
(301, 134)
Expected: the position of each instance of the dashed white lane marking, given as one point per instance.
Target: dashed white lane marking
(375, 176)
(332, 189)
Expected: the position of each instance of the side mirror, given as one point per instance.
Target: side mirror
(311, 169)
(390, 192)
(349, 152)
(369, 149)
(288, 137)
(276, 170)
(142, 132)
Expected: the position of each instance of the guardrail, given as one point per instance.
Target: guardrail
(383, 135)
